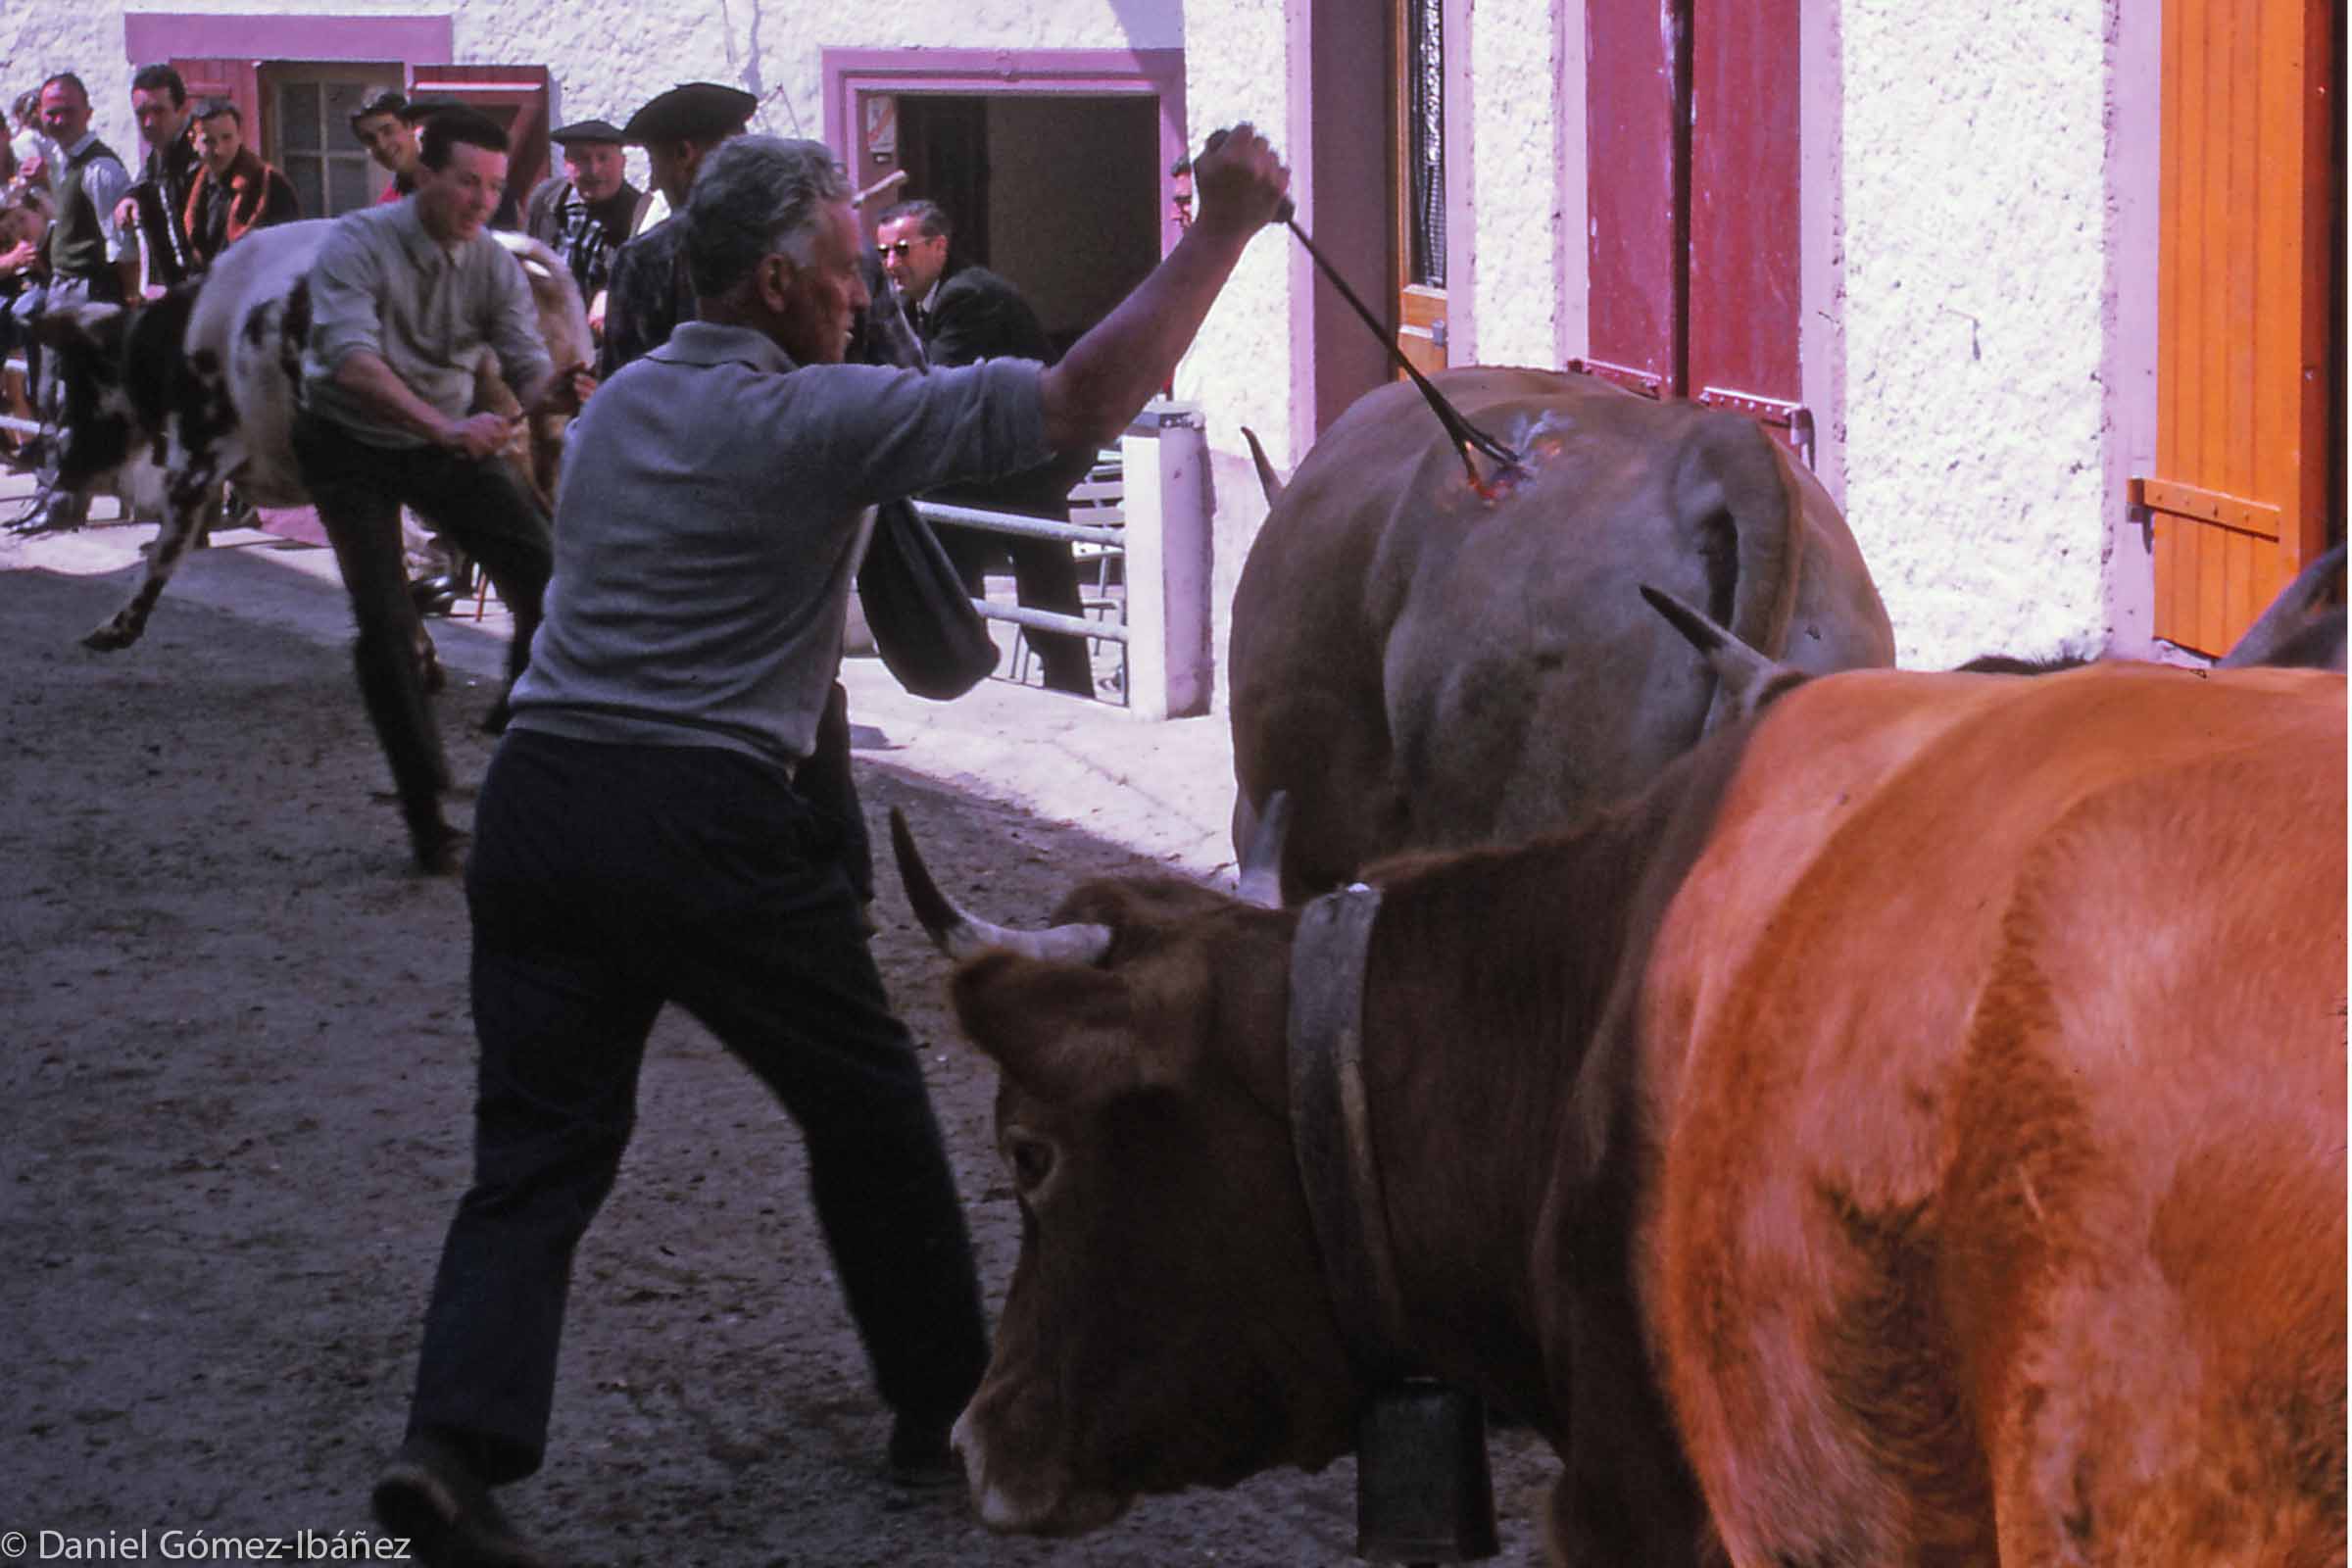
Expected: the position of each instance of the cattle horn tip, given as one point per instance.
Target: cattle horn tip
(1751, 678)
(960, 935)
(1267, 481)
(1261, 878)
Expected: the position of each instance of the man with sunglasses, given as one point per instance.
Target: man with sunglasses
(964, 314)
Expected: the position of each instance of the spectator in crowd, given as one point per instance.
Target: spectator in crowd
(235, 192)
(383, 127)
(22, 227)
(404, 299)
(158, 202)
(587, 213)
(641, 838)
(964, 314)
(92, 259)
(651, 292)
(34, 153)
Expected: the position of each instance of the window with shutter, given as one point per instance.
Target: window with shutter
(2250, 338)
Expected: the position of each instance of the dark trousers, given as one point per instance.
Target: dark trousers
(824, 780)
(605, 880)
(64, 509)
(480, 503)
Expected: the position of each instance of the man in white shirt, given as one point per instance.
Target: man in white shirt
(92, 261)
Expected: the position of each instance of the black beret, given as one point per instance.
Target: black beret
(698, 111)
(584, 132)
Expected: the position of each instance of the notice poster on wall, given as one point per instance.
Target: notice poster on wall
(881, 126)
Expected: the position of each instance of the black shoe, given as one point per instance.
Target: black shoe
(431, 1496)
(432, 596)
(920, 1453)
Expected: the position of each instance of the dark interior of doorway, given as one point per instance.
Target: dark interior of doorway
(1059, 193)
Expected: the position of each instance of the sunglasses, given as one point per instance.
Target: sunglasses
(903, 247)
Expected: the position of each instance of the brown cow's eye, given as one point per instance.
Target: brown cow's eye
(1032, 1163)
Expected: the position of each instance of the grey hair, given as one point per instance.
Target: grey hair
(755, 196)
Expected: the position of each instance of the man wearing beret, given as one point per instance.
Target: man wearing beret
(650, 292)
(587, 213)
(641, 837)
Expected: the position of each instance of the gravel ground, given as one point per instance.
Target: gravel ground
(236, 1081)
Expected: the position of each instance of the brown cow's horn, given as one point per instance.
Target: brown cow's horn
(1260, 881)
(959, 936)
(1265, 469)
(1750, 679)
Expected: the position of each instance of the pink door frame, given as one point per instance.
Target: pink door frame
(1159, 72)
(414, 40)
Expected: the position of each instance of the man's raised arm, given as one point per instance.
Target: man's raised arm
(1115, 369)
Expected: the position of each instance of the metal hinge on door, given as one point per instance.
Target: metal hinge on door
(1793, 417)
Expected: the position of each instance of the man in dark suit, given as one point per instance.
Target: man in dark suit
(964, 313)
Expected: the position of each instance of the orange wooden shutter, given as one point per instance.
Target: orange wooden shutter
(2245, 365)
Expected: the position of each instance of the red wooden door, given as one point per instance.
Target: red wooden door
(1741, 266)
(1637, 175)
(237, 80)
(1692, 141)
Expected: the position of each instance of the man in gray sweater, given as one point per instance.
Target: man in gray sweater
(639, 839)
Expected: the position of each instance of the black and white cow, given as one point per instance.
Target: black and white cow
(167, 402)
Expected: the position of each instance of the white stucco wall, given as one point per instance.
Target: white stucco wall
(1977, 319)
(771, 48)
(1504, 252)
(41, 39)
(1246, 367)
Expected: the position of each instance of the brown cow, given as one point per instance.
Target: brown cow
(1912, 1131)
(1419, 666)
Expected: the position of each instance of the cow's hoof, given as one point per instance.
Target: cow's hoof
(111, 638)
(441, 853)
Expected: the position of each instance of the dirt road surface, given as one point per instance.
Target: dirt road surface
(236, 1083)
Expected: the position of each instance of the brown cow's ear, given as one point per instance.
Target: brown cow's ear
(1064, 1030)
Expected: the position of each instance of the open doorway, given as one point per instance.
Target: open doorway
(1057, 193)
(1054, 165)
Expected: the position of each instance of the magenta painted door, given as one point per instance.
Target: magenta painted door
(1691, 137)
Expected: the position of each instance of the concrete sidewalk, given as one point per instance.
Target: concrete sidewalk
(1163, 789)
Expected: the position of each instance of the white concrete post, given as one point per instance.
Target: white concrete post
(1170, 667)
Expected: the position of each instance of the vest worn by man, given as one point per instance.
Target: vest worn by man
(77, 241)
